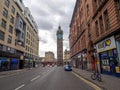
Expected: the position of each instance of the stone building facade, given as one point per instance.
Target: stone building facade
(97, 22)
(49, 57)
(66, 56)
(19, 41)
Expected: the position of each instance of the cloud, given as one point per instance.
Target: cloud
(48, 16)
(45, 24)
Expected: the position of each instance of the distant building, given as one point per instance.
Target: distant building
(42, 59)
(66, 56)
(49, 58)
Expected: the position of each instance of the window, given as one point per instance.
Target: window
(101, 1)
(21, 1)
(12, 19)
(87, 10)
(9, 39)
(107, 23)
(7, 3)
(22, 35)
(101, 25)
(27, 34)
(2, 34)
(96, 28)
(89, 32)
(5, 12)
(1, 47)
(13, 10)
(3, 23)
(95, 1)
(119, 4)
(20, 24)
(10, 29)
(27, 41)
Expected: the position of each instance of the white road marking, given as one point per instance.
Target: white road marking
(35, 78)
(20, 87)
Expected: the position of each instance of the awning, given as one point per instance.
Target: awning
(15, 61)
(3, 59)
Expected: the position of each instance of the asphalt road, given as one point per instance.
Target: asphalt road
(48, 78)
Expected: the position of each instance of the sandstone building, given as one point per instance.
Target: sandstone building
(19, 41)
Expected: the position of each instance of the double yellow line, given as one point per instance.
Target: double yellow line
(88, 82)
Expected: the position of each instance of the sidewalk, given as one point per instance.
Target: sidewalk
(12, 72)
(108, 82)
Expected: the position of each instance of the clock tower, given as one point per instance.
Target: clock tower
(59, 47)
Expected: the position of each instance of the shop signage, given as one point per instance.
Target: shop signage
(117, 69)
(106, 44)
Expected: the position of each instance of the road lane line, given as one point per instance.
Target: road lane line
(35, 78)
(88, 82)
(20, 87)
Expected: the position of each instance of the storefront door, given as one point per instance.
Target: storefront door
(118, 49)
(108, 61)
(4, 64)
(14, 64)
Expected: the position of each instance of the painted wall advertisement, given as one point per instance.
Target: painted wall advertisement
(106, 44)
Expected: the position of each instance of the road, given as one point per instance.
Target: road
(47, 78)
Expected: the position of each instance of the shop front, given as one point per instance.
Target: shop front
(117, 39)
(28, 63)
(14, 64)
(108, 56)
(4, 64)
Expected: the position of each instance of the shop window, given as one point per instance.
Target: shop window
(7, 3)
(118, 50)
(5, 12)
(3, 23)
(1, 47)
(2, 35)
(107, 22)
(10, 29)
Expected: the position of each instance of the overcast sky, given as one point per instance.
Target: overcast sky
(49, 14)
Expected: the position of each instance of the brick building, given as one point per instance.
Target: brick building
(95, 35)
(19, 41)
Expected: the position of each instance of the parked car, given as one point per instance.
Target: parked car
(67, 68)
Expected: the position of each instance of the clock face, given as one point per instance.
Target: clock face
(59, 36)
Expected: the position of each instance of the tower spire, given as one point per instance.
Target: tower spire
(59, 27)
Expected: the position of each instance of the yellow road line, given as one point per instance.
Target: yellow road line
(88, 82)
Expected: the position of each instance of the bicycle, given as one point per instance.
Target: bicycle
(96, 75)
